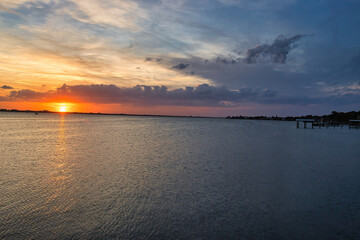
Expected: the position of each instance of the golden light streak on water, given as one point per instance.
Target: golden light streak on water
(59, 171)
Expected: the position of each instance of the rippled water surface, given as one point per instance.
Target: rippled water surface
(123, 177)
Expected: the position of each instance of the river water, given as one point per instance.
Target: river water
(65, 176)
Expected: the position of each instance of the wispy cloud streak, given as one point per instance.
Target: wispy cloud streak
(9, 10)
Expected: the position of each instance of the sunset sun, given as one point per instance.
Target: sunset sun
(63, 107)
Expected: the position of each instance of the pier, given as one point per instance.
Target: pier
(304, 121)
(354, 124)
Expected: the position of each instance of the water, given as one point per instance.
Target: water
(123, 177)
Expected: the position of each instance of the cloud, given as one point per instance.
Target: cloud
(65, 54)
(149, 59)
(87, 42)
(227, 60)
(26, 94)
(6, 87)
(201, 95)
(333, 100)
(276, 52)
(16, 3)
(119, 14)
(235, 73)
(180, 66)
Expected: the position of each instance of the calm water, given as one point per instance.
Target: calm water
(113, 177)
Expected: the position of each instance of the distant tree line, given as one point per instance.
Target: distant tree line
(334, 117)
(339, 117)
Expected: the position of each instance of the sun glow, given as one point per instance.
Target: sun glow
(63, 107)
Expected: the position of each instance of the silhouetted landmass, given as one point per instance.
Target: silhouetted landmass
(98, 113)
(27, 111)
(334, 117)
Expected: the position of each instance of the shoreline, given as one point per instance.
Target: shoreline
(104, 114)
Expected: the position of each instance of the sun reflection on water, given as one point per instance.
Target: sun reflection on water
(60, 175)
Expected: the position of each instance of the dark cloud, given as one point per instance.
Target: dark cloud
(227, 60)
(276, 52)
(281, 78)
(201, 95)
(334, 100)
(6, 87)
(149, 59)
(26, 94)
(223, 60)
(180, 66)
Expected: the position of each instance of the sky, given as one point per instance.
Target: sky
(181, 57)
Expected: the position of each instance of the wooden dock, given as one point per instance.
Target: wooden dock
(304, 123)
(354, 124)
